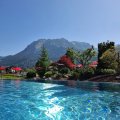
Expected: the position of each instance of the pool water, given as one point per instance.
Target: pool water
(22, 100)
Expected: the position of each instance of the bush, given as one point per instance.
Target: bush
(82, 74)
(106, 71)
(31, 74)
(41, 73)
(75, 75)
(118, 70)
(48, 74)
(58, 76)
(86, 73)
(65, 70)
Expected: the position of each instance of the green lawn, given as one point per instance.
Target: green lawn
(10, 76)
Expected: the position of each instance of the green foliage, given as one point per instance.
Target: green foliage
(65, 70)
(118, 69)
(86, 73)
(109, 59)
(31, 74)
(85, 57)
(71, 54)
(118, 59)
(29, 69)
(82, 74)
(102, 47)
(44, 61)
(74, 75)
(48, 74)
(58, 76)
(41, 72)
(106, 71)
(11, 76)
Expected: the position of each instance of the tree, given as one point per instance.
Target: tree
(85, 57)
(67, 62)
(71, 54)
(43, 63)
(69, 58)
(118, 58)
(109, 59)
(118, 61)
(102, 47)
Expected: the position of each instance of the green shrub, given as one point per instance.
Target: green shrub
(41, 73)
(90, 73)
(75, 75)
(86, 73)
(48, 74)
(59, 75)
(82, 74)
(106, 71)
(65, 70)
(31, 74)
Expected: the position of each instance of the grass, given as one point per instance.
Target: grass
(10, 76)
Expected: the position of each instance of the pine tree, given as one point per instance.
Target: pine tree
(43, 62)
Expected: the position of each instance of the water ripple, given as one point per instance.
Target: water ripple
(38, 101)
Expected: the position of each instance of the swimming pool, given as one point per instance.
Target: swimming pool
(22, 100)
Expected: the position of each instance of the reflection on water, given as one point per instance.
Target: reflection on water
(95, 85)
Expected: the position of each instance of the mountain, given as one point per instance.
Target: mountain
(1, 58)
(29, 56)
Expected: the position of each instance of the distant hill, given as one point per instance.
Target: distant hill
(29, 56)
(1, 58)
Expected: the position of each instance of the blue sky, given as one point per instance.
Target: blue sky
(24, 21)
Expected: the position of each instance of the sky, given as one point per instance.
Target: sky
(24, 21)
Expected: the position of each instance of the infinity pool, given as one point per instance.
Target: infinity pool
(22, 100)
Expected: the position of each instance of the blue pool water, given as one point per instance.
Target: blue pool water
(22, 100)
